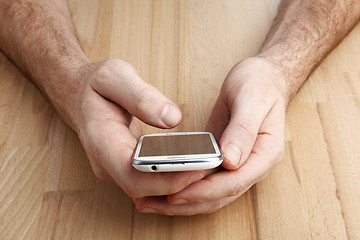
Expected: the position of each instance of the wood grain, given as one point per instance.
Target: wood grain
(185, 49)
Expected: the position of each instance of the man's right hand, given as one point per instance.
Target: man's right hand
(113, 93)
(97, 101)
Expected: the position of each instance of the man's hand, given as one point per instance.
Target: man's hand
(248, 117)
(112, 94)
(97, 101)
(248, 120)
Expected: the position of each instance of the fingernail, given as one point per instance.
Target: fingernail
(232, 154)
(149, 210)
(170, 115)
(179, 201)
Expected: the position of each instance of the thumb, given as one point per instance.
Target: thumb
(240, 135)
(118, 81)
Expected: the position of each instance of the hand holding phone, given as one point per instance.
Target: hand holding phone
(179, 151)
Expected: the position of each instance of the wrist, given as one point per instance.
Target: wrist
(272, 76)
(291, 73)
(65, 91)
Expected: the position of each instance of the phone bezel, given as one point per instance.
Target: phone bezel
(195, 158)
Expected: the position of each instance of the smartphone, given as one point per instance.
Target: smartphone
(177, 151)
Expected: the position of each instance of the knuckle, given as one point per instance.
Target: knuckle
(248, 131)
(174, 184)
(175, 187)
(126, 147)
(214, 207)
(114, 63)
(118, 63)
(139, 207)
(169, 213)
(131, 191)
(104, 71)
(278, 156)
(132, 194)
(234, 191)
(100, 174)
(237, 188)
(244, 136)
(277, 153)
(144, 97)
(265, 175)
(113, 67)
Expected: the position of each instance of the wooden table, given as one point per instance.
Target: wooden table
(185, 49)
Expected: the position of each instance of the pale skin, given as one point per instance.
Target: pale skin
(248, 118)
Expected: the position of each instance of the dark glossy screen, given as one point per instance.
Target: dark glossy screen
(176, 145)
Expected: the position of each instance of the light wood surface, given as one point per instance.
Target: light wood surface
(185, 49)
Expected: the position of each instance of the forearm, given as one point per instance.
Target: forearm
(38, 36)
(304, 32)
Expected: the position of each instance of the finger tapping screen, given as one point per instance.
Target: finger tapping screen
(176, 145)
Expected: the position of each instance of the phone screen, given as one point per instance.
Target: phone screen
(176, 145)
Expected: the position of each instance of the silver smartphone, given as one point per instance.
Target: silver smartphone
(177, 151)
